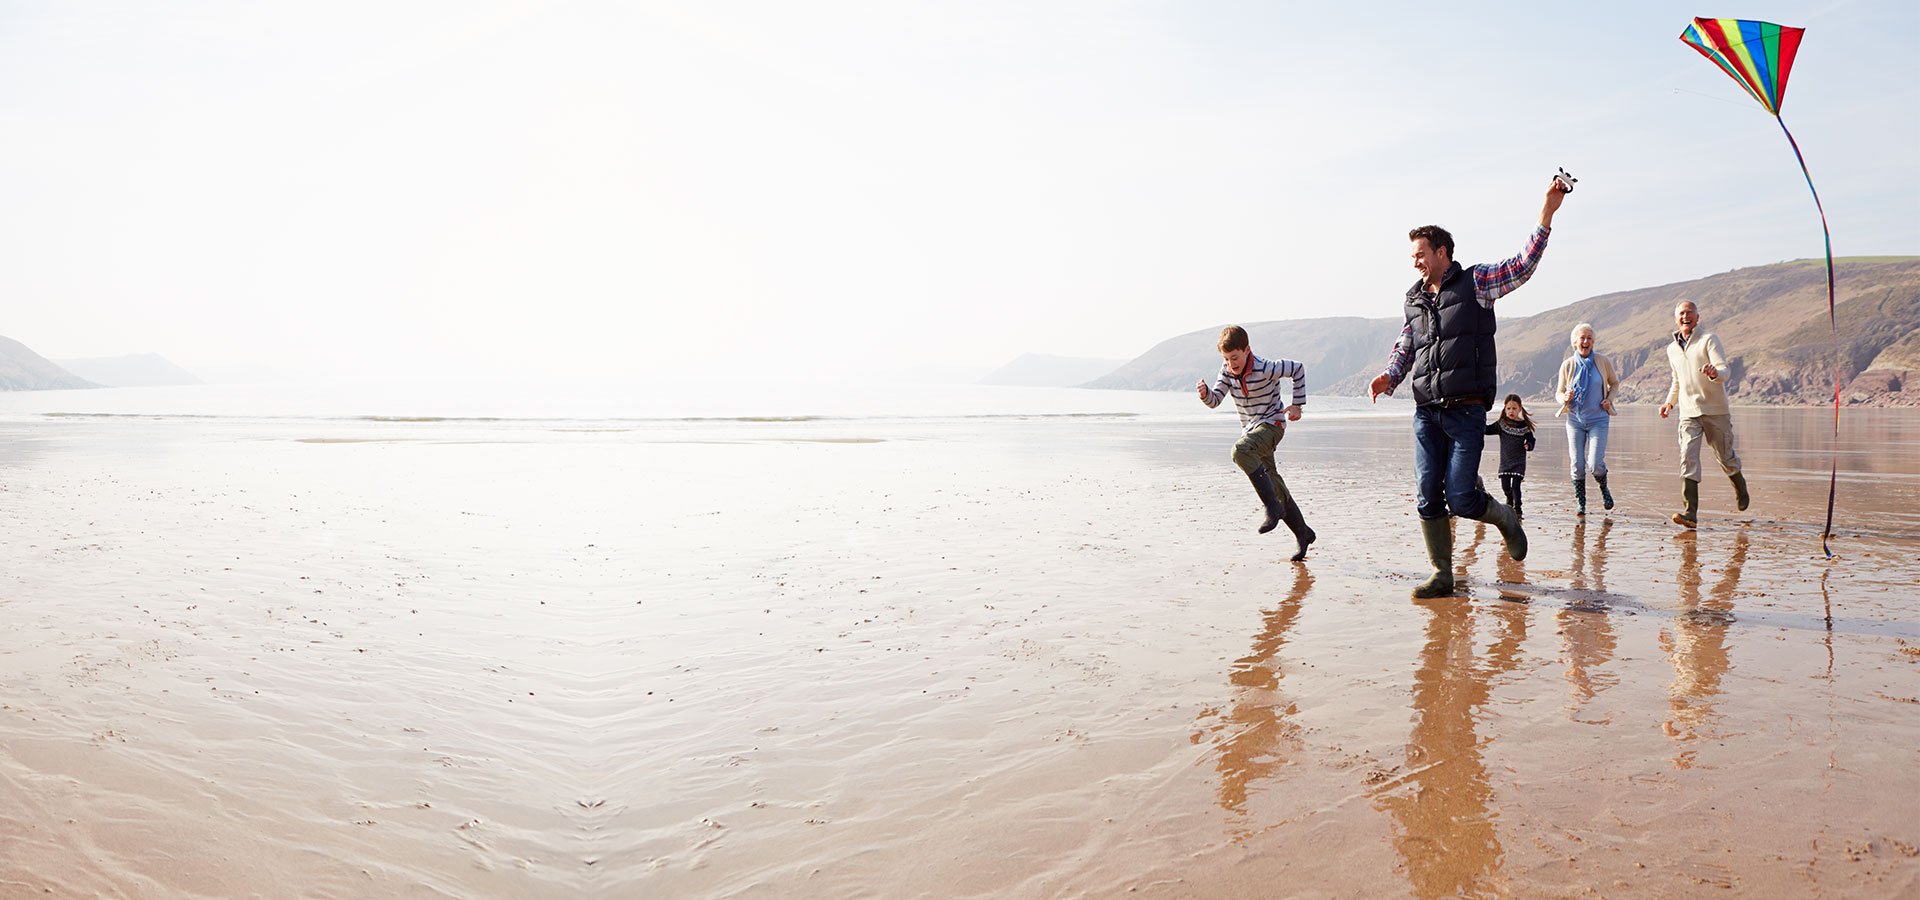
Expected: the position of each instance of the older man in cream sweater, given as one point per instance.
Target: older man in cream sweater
(1700, 394)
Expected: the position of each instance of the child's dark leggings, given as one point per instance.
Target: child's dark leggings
(1510, 484)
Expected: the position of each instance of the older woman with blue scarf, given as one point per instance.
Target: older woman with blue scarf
(1587, 382)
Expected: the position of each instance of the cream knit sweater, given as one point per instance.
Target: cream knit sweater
(1692, 392)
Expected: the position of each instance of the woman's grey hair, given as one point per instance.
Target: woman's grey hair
(1573, 338)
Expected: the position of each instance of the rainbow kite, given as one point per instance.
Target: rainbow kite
(1759, 55)
(1756, 54)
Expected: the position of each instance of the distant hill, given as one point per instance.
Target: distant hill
(1040, 370)
(237, 373)
(21, 369)
(140, 370)
(1772, 319)
(1331, 349)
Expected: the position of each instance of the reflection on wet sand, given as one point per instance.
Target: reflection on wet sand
(1590, 573)
(1469, 554)
(1586, 631)
(1441, 808)
(1258, 733)
(1510, 571)
(1696, 644)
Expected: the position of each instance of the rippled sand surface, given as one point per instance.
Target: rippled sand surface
(1041, 657)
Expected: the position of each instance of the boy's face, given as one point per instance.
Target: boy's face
(1236, 359)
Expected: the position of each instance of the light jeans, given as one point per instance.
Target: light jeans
(1587, 444)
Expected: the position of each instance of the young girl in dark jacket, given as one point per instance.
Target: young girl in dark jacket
(1515, 429)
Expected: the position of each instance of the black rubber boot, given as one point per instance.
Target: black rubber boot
(1298, 525)
(1606, 496)
(1690, 491)
(1740, 489)
(1439, 537)
(1263, 485)
(1580, 496)
(1502, 515)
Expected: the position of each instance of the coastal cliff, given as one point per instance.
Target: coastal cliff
(21, 369)
(1772, 320)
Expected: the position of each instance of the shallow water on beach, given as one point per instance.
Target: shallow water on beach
(1031, 656)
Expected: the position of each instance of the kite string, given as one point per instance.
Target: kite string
(1833, 475)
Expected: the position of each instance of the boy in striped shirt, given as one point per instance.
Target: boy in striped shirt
(1255, 386)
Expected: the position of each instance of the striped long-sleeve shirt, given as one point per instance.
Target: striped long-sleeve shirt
(1491, 281)
(1257, 395)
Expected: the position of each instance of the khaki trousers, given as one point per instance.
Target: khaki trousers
(1255, 449)
(1717, 431)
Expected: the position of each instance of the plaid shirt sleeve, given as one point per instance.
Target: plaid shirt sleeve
(1491, 281)
(1399, 357)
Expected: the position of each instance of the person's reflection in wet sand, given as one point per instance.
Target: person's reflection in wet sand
(1697, 645)
(1259, 736)
(1507, 570)
(1586, 630)
(1444, 828)
(1511, 571)
(1471, 553)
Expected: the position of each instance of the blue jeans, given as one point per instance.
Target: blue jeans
(1587, 444)
(1446, 460)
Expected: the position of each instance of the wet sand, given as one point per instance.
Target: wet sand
(1041, 657)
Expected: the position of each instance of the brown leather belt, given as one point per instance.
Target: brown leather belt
(1452, 402)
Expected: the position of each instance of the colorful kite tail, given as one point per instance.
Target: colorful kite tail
(1833, 474)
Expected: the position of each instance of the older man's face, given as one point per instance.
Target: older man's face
(1686, 317)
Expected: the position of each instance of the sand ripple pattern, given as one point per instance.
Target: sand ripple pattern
(934, 658)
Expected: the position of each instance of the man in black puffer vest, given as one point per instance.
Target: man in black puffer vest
(1446, 351)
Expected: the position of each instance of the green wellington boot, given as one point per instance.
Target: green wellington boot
(1690, 490)
(1439, 537)
(1502, 515)
(1606, 496)
(1740, 489)
(1580, 496)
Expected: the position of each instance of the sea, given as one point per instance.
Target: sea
(681, 404)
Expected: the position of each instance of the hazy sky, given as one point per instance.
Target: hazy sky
(619, 187)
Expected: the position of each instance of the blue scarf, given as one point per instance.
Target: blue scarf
(1585, 373)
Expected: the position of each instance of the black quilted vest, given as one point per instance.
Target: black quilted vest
(1452, 342)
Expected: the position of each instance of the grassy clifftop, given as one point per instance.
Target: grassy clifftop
(1772, 320)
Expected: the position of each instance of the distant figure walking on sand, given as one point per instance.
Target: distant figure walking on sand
(1255, 386)
(1700, 395)
(1515, 429)
(1446, 349)
(1585, 392)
